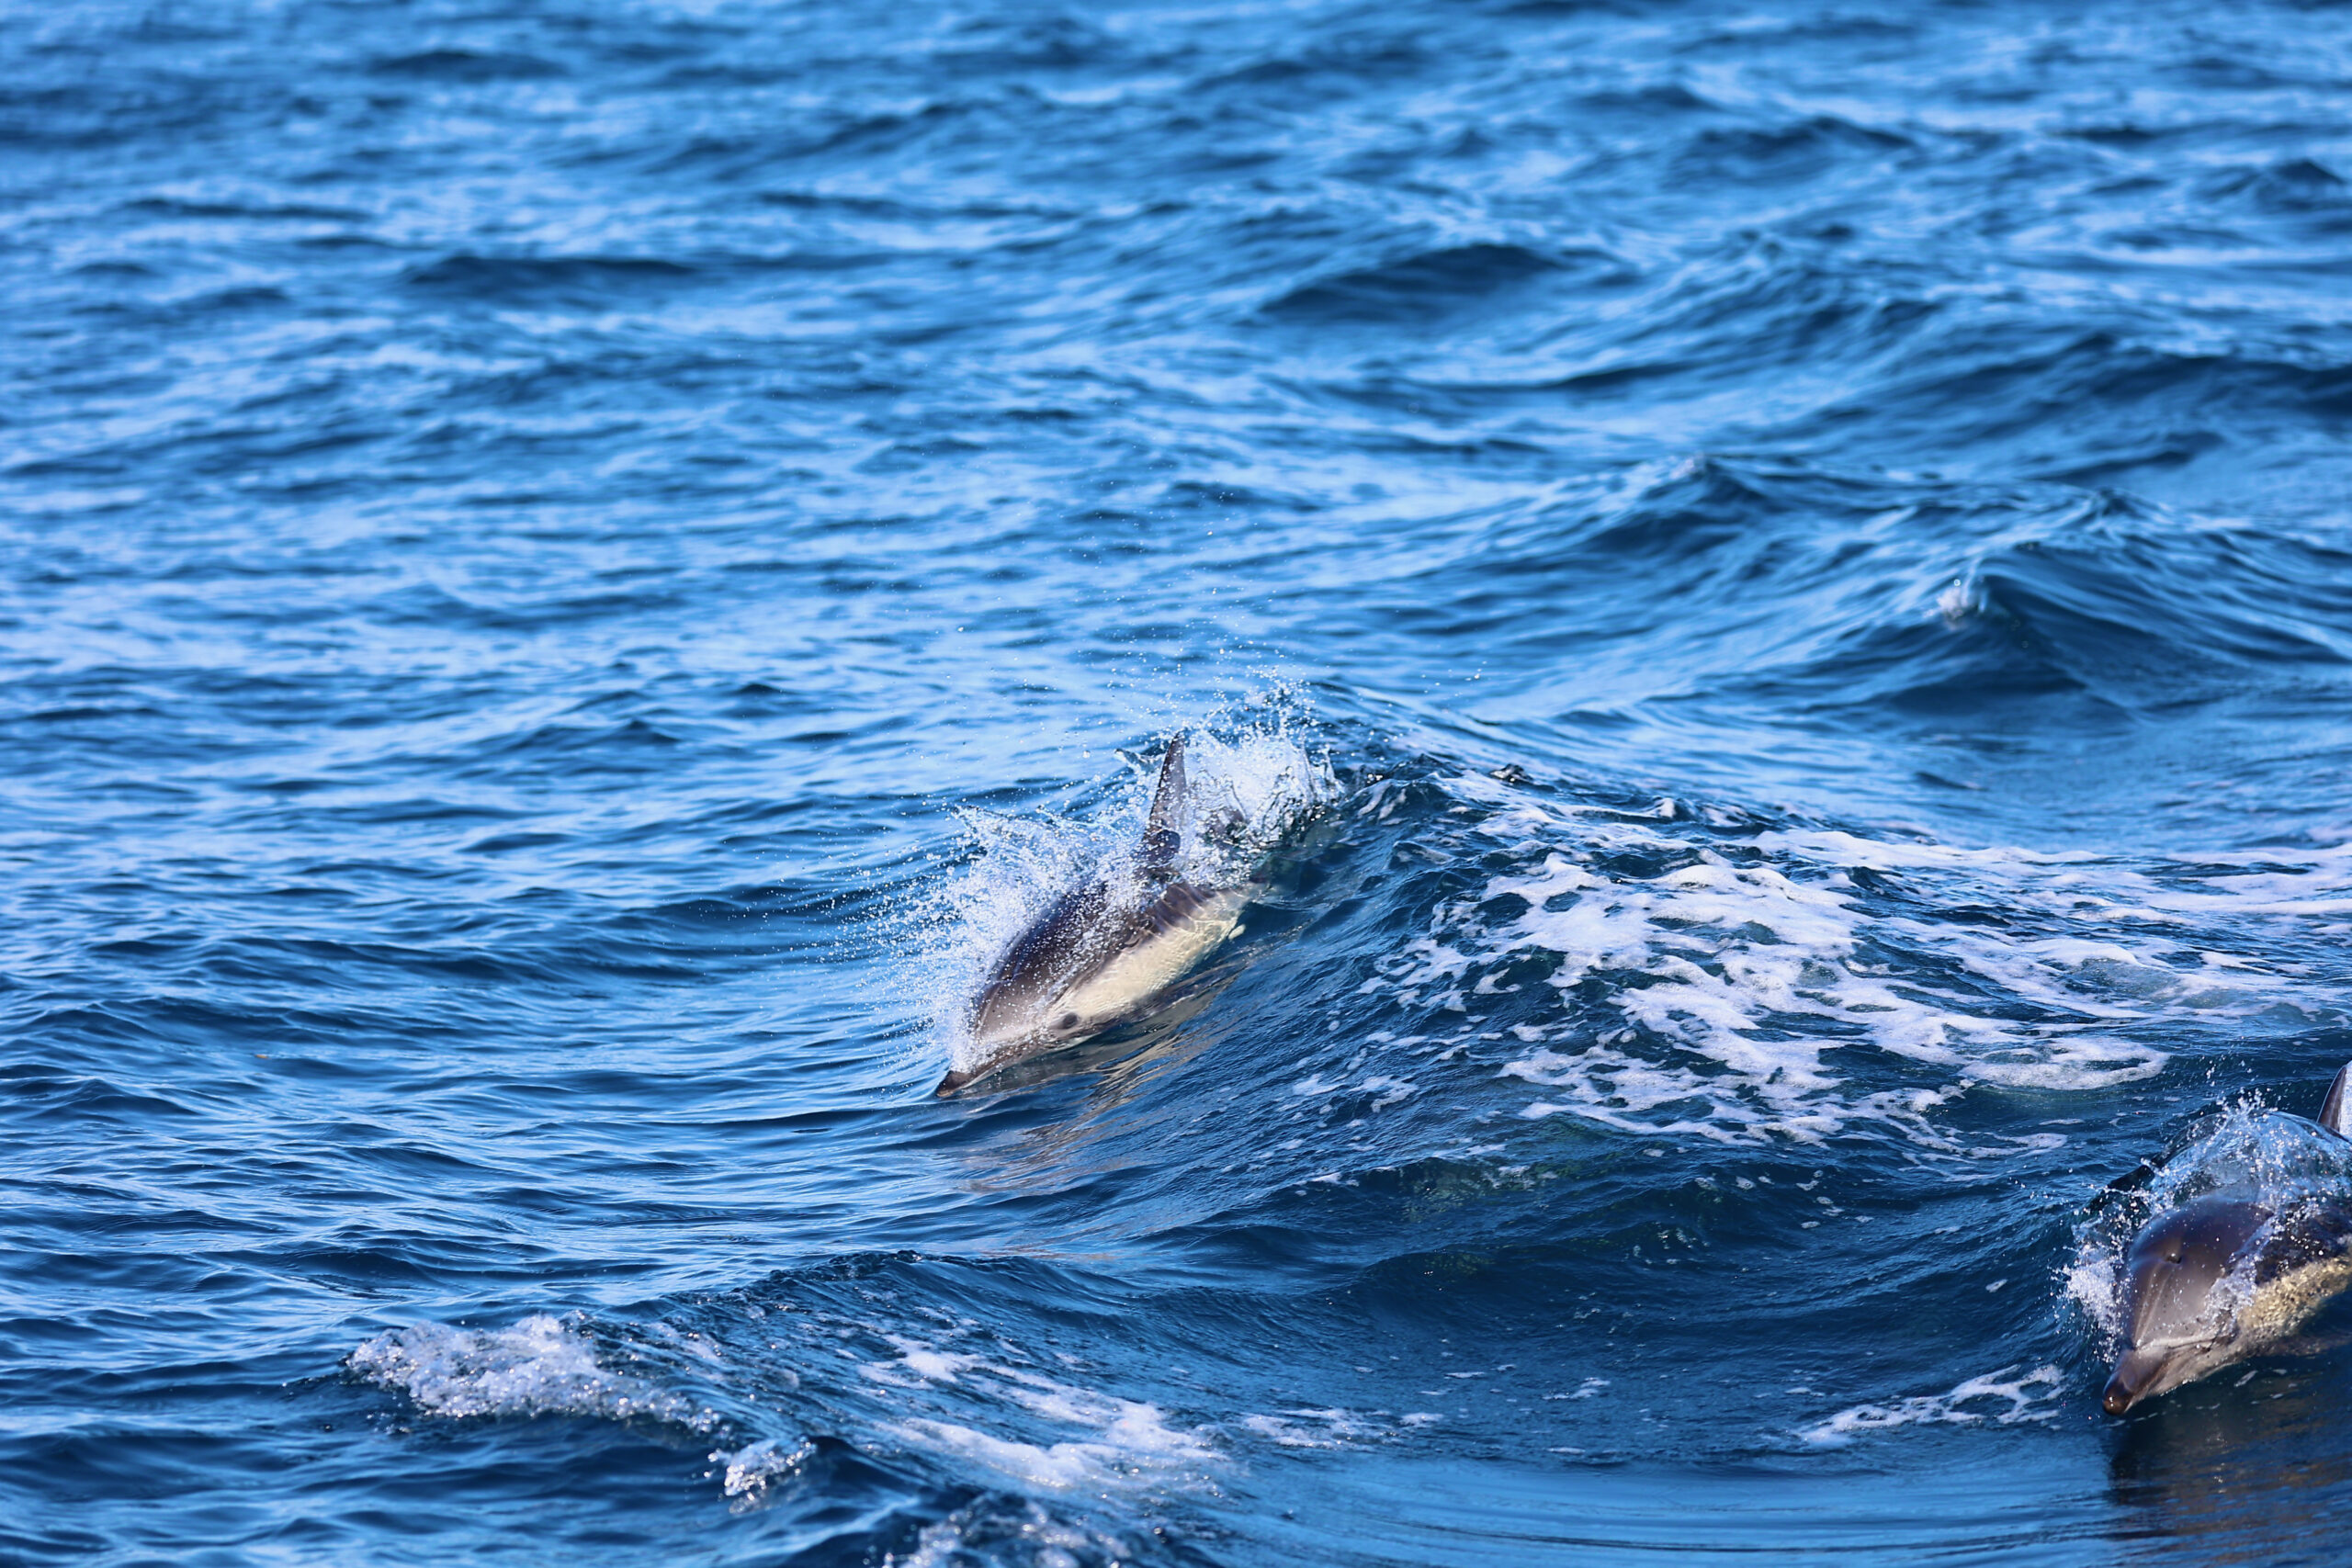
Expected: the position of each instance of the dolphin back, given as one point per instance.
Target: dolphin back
(2309, 1234)
(1163, 835)
(2336, 1112)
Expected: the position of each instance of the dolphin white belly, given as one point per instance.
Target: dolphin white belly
(1160, 957)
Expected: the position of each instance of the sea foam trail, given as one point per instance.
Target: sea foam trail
(1732, 985)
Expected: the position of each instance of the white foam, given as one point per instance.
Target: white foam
(2012, 1398)
(916, 1364)
(2305, 881)
(1138, 1441)
(1061, 1466)
(1740, 971)
(1113, 1439)
(1311, 1429)
(543, 1365)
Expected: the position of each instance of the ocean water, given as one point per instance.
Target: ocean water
(1775, 580)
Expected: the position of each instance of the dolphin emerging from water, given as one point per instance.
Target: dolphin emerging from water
(2229, 1275)
(1105, 952)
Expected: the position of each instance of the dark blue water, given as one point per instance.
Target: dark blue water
(566, 569)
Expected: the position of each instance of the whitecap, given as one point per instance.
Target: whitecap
(544, 1365)
(1738, 969)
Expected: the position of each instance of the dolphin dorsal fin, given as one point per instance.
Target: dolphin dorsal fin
(1163, 836)
(2336, 1111)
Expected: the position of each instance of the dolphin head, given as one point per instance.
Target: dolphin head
(1021, 1010)
(2180, 1297)
(1012, 1020)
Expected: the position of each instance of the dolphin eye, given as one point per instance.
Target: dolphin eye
(1069, 1020)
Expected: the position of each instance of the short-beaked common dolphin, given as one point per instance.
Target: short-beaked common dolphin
(1107, 952)
(2229, 1275)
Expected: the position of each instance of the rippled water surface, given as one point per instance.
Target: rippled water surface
(572, 572)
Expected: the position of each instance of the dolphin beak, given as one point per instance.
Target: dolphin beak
(2137, 1374)
(951, 1083)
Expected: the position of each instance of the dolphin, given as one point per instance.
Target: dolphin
(2229, 1275)
(1105, 952)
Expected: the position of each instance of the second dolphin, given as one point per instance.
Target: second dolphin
(2233, 1272)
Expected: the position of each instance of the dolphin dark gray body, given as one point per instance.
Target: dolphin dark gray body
(1103, 953)
(2227, 1276)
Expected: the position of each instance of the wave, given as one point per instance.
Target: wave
(1666, 978)
(1798, 149)
(465, 65)
(547, 279)
(1429, 284)
(1811, 594)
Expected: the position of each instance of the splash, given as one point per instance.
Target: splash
(2250, 1147)
(746, 1473)
(544, 1365)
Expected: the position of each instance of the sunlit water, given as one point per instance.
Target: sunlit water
(571, 572)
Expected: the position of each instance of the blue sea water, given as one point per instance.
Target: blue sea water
(566, 569)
